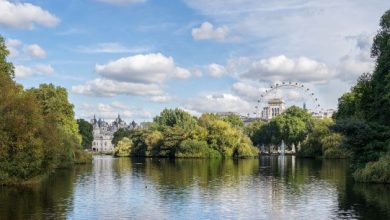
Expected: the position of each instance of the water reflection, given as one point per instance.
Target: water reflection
(265, 188)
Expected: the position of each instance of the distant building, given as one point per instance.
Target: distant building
(324, 114)
(275, 107)
(103, 133)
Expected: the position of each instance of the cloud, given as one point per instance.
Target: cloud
(358, 60)
(12, 46)
(221, 102)
(247, 91)
(34, 50)
(25, 15)
(110, 111)
(107, 87)
(216, 70)
(45, 69)
(122, 2)
(282, 68)
(22, 71)
(148, 68)
(206, 31)
(111, 47)
(161, 98)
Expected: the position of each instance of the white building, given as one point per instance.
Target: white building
(104, 132)
(275, 107)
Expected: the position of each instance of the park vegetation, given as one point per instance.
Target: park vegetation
(38, 132)
(363, 115)
(177, 134)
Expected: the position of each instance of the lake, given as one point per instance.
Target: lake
(152, 188)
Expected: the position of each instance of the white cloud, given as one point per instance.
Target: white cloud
(223, 102)
(282, 68)
(247, 91)
(216, 70)
(106, 87)
(161, 98)
(35, 50)
(25, 15)
(110, 111)
(148, 68)
(22, 71)
(295, 28)
(358, 60)
(206, 31)
(111, 47)
(12, 46)
(45, 69)
(122, 2)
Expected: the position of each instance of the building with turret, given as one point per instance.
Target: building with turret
(103, 132)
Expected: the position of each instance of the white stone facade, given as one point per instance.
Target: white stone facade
(103, 133)
(275, 107)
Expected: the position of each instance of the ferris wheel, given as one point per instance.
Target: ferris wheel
(275, 91)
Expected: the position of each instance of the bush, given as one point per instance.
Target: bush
(246, 150)
(196, 149)
(123, 148)
(376, 172)
(332, 146)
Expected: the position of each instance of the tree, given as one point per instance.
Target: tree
(6, 68)
(123, 148)
(54, 101)
(85, 130)
(120, 134)
(175, 117)
(381, 76)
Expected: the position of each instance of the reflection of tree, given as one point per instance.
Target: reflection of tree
(182, 173)
(49, 199)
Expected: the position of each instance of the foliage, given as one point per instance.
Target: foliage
(175, 117)
(377, 171)
(363, 113)
(175, 133)
(6, 68)
(123, 147)
(120, 134)
(38, 132)
(54, 101)
(234, 120)
(332, 146)
(85, 130)
(254, 131)
(197, 149)
(312, 146)
(292, 126)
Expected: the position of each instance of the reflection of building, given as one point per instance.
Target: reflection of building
(275, 107)
(104, 132)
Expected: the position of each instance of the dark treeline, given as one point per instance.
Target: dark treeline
(38, 132)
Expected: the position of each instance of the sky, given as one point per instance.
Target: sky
(137, 57)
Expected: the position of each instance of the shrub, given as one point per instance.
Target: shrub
(377, 172)
(123, 148)
(196, 149)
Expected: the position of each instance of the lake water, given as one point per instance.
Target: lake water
(264, 188)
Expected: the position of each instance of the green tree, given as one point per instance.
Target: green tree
(175, 117)
(123, 148)
(85, 130)
(6, 68)
(54, 101)
(120, 134)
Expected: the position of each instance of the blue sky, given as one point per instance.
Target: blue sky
(136, 57)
